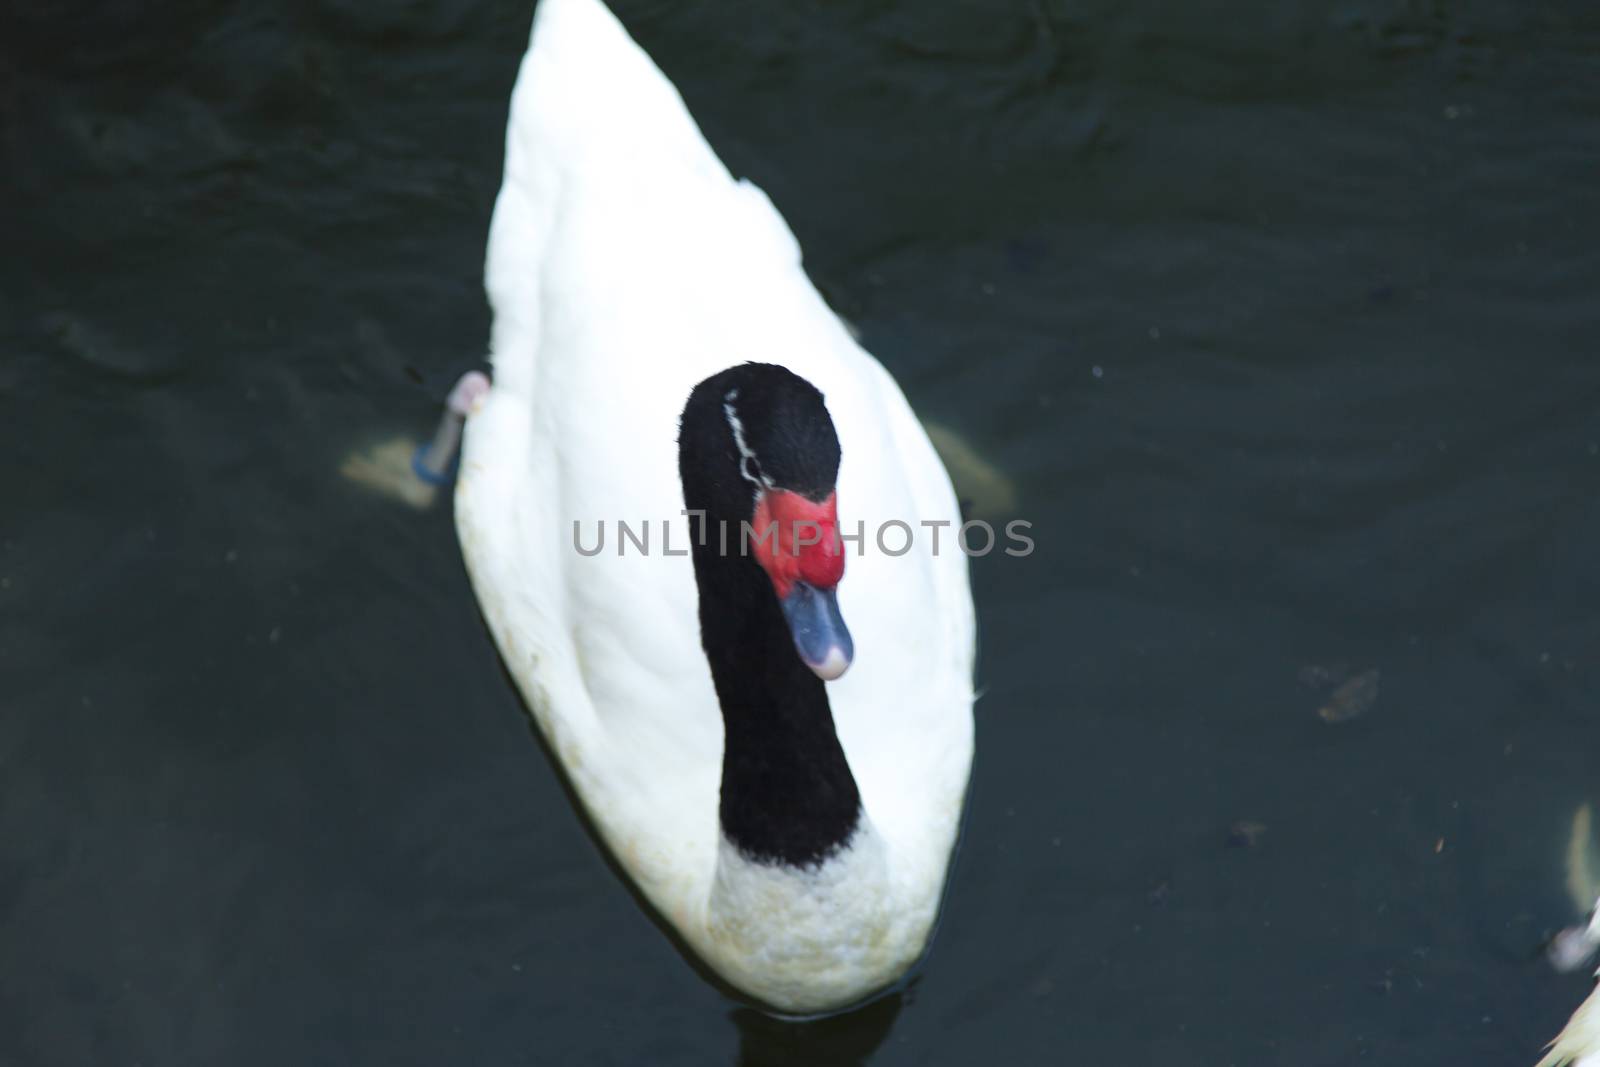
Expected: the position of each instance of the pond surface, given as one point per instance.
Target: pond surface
(1283, 319)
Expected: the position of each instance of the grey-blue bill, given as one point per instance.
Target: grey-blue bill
(820, 635)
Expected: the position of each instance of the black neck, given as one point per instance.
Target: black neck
(787, 793)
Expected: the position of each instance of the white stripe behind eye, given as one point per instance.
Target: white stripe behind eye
(747, 456)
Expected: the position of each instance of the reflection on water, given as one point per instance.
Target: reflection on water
(843, 1040)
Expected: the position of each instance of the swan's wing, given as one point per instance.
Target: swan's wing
(605, 178)
(904, 710)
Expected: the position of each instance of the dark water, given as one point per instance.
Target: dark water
(266, 797)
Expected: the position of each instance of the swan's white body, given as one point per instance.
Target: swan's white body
(624, 266)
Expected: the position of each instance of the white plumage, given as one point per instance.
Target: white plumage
(624, 266)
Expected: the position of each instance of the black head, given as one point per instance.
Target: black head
(754, 426)
(759, 458)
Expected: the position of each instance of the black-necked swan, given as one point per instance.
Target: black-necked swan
(657, 348)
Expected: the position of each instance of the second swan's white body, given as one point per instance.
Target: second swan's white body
(624, 266)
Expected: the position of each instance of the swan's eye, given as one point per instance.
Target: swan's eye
(750, 468)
